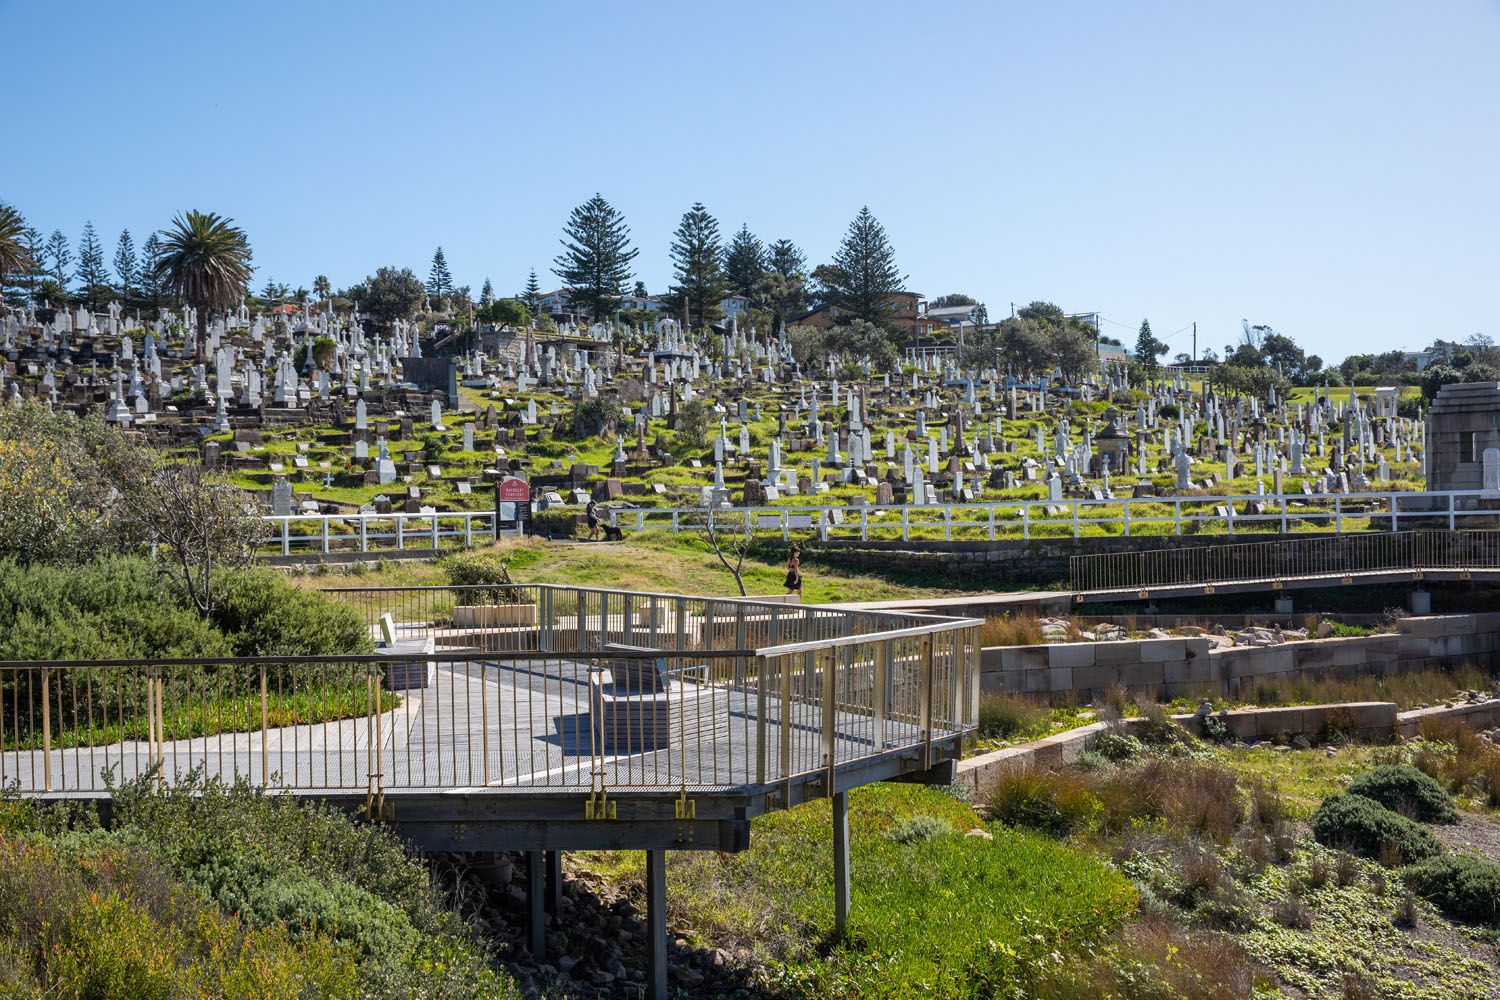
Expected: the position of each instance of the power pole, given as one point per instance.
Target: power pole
(1195, 340)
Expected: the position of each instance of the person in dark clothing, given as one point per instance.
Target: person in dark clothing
(794, 572)
(591, 514)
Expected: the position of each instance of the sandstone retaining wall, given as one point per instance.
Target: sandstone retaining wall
(1187, 666)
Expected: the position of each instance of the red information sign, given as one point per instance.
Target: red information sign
(514, 489)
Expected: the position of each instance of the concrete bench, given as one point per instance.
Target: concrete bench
(407, 667)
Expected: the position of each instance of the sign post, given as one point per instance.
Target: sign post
(512, 503)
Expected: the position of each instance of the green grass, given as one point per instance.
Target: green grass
(655, 562)
(935, 913)
(212, 715)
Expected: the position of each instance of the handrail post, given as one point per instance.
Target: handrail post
(286, 536)
(364, 539)
(925, 709)
(324, 521)
(265, 752)
(46, 730)
(878, 693)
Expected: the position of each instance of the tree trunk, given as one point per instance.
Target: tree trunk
(201, 338)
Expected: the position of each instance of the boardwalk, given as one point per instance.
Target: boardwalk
(495, 725)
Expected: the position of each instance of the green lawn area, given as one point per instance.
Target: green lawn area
(934, 913)
(654, 562)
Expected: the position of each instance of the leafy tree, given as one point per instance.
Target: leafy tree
(59, 257)
(205, 261)
(15, 252)
(864, 277)
(127, 265)
(91, 272)
(784, 294)
(487, 292)
(389, 295)
(696, 268)
(595, 263)
(786, 260)
(744, 262)
(322, 287)
(1073, 349)
(1023, 343)
(506, 312)
(850, 343)
(533, 294)
(1147, 350)
(439, 280)
(1043, 312)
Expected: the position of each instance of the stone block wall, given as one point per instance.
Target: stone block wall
(1188, 666)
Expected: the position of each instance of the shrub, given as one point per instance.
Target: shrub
(1406, 790)
(1461, 885)
(1364, 826)
(1002, 716)
(915, 829)
(265, 615)
(1054, 802)
(1012, 630)
(474, 567)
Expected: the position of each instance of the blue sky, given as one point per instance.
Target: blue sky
(1326, 168)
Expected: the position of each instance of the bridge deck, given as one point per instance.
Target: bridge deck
(499, 726)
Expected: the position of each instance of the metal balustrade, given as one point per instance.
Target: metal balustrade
(510, 689)
(1288, 559)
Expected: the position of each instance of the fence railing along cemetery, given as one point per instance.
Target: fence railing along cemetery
(1075, 518)
(513, 688)
(1287, 559)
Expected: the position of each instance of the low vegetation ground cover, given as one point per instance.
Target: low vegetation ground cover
(1239, 895)
(215, 891)
(656, 563)
(117, 608)
(943, 906)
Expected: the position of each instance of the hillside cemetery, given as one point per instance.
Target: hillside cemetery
(315, 413)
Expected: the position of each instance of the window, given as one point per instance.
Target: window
(1466, 446)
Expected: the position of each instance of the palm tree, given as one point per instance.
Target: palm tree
(14, 257)
(205, 260)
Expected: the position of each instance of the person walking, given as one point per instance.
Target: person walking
(794, 572)
(591, 514)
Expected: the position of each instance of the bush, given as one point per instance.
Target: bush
(1002, 716)
(1461, 885)
(1364, 826)
(473, 567)
(1053, 802)
(1406, 790)
(916, 829)
(265, 615)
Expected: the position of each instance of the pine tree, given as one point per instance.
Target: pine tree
(150, 253)
(744, 262)
(439, 280)
(127, 267)
(487, 293)
(533, 294)
(1147, 347)
(91, 272)
(786, 260)
(864, 277)
(698, 273)
(58, 258)
(595, 263)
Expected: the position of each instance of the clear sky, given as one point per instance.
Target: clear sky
(1327, 168)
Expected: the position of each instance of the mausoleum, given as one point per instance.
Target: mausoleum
(1463, 437)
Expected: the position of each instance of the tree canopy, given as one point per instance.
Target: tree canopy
(863, 278)
(744, 262)
(697, 274)
(390, 294)
(596, 258)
